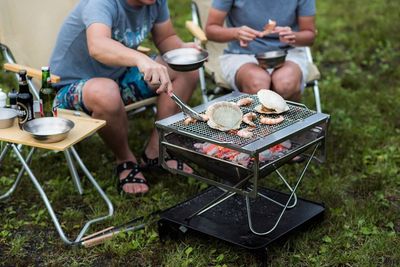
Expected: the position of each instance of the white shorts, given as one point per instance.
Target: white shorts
(230, 64)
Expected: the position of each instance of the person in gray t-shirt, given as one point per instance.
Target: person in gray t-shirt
(244, 32)
(101, 70)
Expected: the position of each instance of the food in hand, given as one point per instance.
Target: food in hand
(269, 27)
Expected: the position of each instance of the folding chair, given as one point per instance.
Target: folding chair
(28, 30)
(200, 10)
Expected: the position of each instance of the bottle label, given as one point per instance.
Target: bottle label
(23, 112)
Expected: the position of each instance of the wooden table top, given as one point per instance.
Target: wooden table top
(84, 127)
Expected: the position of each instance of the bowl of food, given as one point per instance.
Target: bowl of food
(271, 59)
(185, 59)
(49, 129)
(7, 117)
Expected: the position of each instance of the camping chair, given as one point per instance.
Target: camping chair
(28, 30)
(200, 10)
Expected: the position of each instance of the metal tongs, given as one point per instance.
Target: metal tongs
(186, 109)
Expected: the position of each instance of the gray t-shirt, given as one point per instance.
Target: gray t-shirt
(129, 26)
(255, 14)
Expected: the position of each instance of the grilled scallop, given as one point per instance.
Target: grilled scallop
(224, 116)
(271, 102)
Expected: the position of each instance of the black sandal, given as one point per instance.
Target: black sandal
(130, 178)
(153, 164)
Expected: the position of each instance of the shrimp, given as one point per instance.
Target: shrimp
(269, 27)
(246, 132)
(271, 121)
(189, 120)
(249, 117)
(244, 101)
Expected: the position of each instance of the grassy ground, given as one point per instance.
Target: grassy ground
(358, 53)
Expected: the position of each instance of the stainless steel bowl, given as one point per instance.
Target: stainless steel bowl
(49, 130)
(185, 59)
(271, 59)
(7, 117)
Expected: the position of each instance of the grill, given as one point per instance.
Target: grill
(306, 130)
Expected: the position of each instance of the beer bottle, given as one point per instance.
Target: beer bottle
(12, 96)
(24, 100)
(46, 94)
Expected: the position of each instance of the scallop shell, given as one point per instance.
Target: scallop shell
(271, 102)
(224, 116)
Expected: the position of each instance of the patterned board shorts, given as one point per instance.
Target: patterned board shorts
(131, 85)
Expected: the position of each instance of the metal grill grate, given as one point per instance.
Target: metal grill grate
(294, 114)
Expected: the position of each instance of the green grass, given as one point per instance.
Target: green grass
(358, 52)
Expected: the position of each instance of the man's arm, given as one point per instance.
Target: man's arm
(110, 52)
(304, 37)
(165, 37)
(216, 31)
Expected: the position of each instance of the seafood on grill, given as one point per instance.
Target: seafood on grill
(271, 121)
(247, 101)
(224, 116)
(246, 132)
(190, 120)
(248, 118)
(270, 102)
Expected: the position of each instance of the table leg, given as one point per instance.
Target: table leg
(21, 172)
(74, 173)
(47, 202)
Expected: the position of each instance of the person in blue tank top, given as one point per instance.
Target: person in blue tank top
(244, 33)
(101, 71)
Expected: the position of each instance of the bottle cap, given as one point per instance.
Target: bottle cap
(45, 68)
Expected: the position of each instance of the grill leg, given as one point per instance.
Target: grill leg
(285, 206)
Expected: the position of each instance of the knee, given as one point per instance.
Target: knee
(191, 78)
(253, 82)
(105, 97)
(286, 87)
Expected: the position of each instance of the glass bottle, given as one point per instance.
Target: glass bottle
(24, 100)
(46, 94)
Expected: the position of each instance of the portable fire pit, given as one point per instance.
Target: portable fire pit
(236, 209)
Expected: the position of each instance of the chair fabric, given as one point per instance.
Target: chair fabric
(29, 28)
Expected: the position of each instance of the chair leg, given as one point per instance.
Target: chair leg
(203, 85)
(317, 97)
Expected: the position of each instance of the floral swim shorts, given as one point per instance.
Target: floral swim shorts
(131, 85)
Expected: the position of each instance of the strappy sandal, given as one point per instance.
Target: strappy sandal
(130, 178)
(153, 164)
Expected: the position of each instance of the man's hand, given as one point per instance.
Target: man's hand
(155, 74)
(246, 34)
(286, 35)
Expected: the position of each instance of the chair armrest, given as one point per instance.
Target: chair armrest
(196, 31)
(313, 73)
(144, 50)
(31, 72)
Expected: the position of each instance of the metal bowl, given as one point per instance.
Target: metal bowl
(49, 130)
(271, 59)
(7, 117)
(185, 59)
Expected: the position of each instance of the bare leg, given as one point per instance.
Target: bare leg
(102, 97)
(184, 84)
(286, 81)
(250, 78)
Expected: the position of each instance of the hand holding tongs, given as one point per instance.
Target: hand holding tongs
(186, 109)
